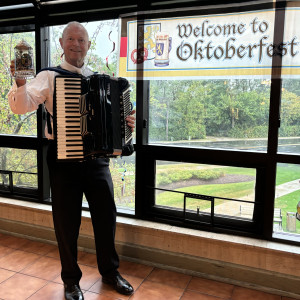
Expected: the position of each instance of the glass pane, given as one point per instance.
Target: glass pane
(21, 165)
(11, 123)
(209, 77)
(233, 189)
(289, 131)
(229, 114)
(5, 184)
(123, 174)
(287, 199)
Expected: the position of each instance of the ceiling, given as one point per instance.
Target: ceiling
(51, 12)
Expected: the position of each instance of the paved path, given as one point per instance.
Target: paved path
(287, 188)
(232, 208)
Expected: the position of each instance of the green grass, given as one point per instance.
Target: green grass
(288, 203)
(285, 173)
(230, 190)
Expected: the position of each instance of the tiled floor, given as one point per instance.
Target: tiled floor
(30, 270)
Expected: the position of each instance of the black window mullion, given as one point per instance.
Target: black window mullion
(274, 121)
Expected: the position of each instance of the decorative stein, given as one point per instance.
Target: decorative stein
(24, 61)
(163, 45)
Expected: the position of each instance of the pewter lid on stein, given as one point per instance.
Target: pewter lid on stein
(23, 45)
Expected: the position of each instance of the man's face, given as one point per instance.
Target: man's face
(75, 44)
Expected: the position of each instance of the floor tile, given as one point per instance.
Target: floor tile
(105, 289)
(211, 287)
(90, 275)
(87, 259)
(241, 293)
(134, 269)
(51, 291)
(38, 247)
(12, 241)
(170, 278)
(154, 291)
(38, 278)
(4, 251)
(20, 287)
(191, 295)
(53, 253)
(5, 274)
(93, 296)
(47, 268)
(17, 260)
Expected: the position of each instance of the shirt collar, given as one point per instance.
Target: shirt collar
(65, 65)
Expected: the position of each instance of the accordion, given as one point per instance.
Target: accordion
(89, 117)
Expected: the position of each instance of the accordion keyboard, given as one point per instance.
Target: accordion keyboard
(69, 138)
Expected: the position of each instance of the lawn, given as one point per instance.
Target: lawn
(229, 190)
(288, 203)
(238, 190)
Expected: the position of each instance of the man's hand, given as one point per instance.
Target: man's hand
(131, 120)
(19, 81)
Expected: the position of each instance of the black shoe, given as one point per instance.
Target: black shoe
(120, 284)
(73, 292)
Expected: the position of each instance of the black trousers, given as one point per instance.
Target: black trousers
(69, 180)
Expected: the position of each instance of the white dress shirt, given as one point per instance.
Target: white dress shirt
(39, 90)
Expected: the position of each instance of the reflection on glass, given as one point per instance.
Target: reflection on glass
(11, 123)
(228, 114)
(225, 184)
(287, 198)
(289, 131)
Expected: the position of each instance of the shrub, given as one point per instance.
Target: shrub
(176, 175)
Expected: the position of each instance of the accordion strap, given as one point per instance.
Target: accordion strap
(61, 71)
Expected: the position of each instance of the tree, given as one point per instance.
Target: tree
(9, 122)
(290, 114)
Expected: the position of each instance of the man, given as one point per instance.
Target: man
(70, 180)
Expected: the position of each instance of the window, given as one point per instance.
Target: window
(18, 170)
(289, 140)
(18, 167)
(286, 201)
(222, 113)
(204, 191)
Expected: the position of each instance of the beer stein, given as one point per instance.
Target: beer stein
(23, 60)
(163, 45)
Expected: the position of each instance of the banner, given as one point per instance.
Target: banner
(212, 46)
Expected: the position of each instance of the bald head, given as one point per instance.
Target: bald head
(75, 43)
(74, 24)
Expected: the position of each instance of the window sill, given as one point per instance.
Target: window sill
(172, 229)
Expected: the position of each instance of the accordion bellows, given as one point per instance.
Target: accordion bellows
(89, 117)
